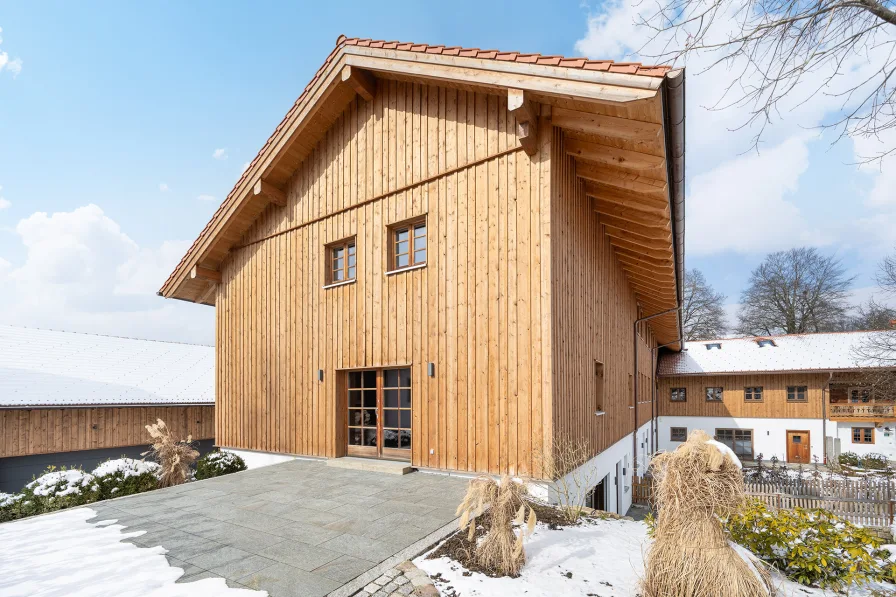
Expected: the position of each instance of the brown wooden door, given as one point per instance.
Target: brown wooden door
(798, 447)
(379, 413)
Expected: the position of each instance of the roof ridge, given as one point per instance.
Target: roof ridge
(25, 327)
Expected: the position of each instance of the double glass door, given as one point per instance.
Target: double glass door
(379, 413)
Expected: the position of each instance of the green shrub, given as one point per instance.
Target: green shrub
(849, 459)
(217, 463)
(875, 461)
(812, 547)
(10, 506)
(58, 489)
(125, 476)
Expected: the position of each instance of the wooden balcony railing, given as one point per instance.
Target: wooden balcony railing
(867, 410)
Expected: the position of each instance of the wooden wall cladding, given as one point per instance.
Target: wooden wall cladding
(43, 431)
(774, 402)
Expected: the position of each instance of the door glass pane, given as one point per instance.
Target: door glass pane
(405, 377)
(354, 417)
(369, 379)
(390, 418)
(797, 439)
(404, 437)
(390, 438)
(370, 437)
(370, 418)
(405, 398)
(406, 419)
(369, 398)
(354, 379)
(354, 399)
(354, 437)
(390, 398)
(390, 379)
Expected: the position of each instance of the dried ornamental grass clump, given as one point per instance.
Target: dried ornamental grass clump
(174, 456)
(500, 551)
(695, 486)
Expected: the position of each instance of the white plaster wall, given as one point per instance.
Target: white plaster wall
(884, 438)
(617, 457)
(769, 435)
(255, 459)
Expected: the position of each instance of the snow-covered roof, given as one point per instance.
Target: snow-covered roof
(41, 368)
(795, 352)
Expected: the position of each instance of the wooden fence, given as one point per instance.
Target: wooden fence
(868, 502)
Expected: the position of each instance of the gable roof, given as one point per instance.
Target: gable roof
(49, 368)
(794, 352)
(614, 85)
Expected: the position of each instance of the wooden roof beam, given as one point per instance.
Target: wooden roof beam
(629, 214)
(622, 180)
(642, 163)
(362, 81)
(662, 233)
(270, 192)
(663, 276)
(638, 258)
(526, 114)
(205, 273)
(628, 199)
(606, 126)
(649, 248)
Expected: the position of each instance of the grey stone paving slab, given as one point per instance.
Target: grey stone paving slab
(296, 528)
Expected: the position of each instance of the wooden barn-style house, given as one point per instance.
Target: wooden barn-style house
(800, 398)
(453, 257)
(76, 400)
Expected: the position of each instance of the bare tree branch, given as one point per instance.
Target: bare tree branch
(703, 312)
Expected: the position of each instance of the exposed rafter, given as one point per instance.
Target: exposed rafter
(642, 163)
(526, 114)
(205, 273)
(267, 190)
(607, 126)
(360, 80)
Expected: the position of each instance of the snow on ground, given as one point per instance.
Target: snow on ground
(604, 558)
(61, 554)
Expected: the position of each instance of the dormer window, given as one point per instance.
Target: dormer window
(762, 342)
(715, 345)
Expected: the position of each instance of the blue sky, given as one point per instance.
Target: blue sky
(123, 125)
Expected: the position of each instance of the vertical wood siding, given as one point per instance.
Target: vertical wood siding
(44, 431)
(593, 313)
(774, 395)
(480, 309)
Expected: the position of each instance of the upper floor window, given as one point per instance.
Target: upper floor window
(713, 394)
(859, 395)
(753, 394)
(796, 393)
(765, 342)
(342, 260)
(408, 244)
(679, 394)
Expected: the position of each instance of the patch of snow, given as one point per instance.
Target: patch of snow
(128, 467)
(604, 557)
(7, 499)
(63, 555)
(61, 483)
(726, 450)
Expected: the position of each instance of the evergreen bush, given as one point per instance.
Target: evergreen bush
(125, 476)
(217, 463)
(849, 459)
(57, 490)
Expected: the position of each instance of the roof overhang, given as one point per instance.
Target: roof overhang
(648, 237)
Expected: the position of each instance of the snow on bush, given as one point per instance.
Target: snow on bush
(58, 489)
(126, 476)
(217, 463)
(10, 504)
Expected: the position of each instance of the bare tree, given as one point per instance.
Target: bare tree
(794, 292)
(873, 316)
(879, 350)
(702, 312)
(772, 49)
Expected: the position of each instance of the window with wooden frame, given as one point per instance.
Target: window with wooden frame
(859, 395)
(863, 435)
(342, 261)
(407, 247)
(679, 395)
(739, 440)
(714, 394)
(797, 393)
(599, 383)
(753, 394)
(678, 434)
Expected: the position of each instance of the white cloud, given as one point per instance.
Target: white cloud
(14, 66)
(163, 187)
(220, 154)
(206, 197)
(81, 272)
(245, 167)
(752, 216)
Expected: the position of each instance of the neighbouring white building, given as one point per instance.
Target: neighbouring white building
(798, 397)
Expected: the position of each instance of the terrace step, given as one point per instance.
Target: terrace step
(391, 467)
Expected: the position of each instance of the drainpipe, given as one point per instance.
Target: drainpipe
(825, 394)
(635, 381)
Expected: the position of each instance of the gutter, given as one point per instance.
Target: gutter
(110, 405)
(674, 112)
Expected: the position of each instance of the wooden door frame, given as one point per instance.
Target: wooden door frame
(379, 452)
(787, 433)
